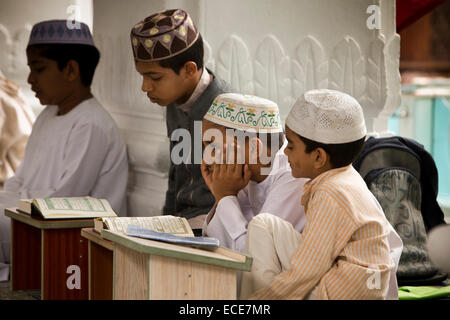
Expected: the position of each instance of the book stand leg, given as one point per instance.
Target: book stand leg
(25, 256)
(100, 272)
(65, 265)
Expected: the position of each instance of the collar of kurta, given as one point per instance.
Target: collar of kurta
(312, 185)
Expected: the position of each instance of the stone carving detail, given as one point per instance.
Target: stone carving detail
(392, 52)
(234, 64)
(18, 51)
(13, 58)
(272, 73)
(5, 53)
(347, 69)
(208, 56)
(310, 70)
(376, 79)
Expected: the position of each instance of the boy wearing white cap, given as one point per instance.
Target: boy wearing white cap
(75, 147)
(168, 53)
(260, 182)
(343, 251)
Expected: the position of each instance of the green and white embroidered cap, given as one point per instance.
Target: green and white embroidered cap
(245, 112)
(327, 116)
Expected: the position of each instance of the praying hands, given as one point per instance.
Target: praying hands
(225, 179)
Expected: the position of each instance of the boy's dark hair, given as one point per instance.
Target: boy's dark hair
(193, 53)
(341, 154)
(86, 56)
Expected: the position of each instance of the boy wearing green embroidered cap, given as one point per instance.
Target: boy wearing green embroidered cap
(260, 182)
(168, 53)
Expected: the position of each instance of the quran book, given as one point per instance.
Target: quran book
(166, 223)
(66, 208)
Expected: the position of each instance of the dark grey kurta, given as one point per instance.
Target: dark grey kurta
(187, 195)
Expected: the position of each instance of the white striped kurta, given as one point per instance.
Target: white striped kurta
(343, 250)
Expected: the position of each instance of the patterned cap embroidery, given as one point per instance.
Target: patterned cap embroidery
(61, 31)
(327, 116)
(245, 112)
(163, 35)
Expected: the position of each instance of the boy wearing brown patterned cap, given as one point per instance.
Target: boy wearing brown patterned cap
(168, 52)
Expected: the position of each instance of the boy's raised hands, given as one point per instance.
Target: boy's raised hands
(226, 179)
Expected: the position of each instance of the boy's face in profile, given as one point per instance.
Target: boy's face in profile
(163, 85)
(302, 163)
(46, 80)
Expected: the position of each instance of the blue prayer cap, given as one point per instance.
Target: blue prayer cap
(61, 31)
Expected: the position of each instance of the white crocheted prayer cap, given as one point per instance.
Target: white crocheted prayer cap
(327, 116)
(245, 112)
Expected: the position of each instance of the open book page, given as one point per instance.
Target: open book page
(198, 242)
(76, 206)
(167, 223)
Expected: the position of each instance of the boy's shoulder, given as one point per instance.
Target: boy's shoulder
(216, 87)
(93, 114)
(92, 110)
(340, 182)
(220, 84)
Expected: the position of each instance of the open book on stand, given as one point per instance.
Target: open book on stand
(66, 208)
(167, 223)
(167, 228)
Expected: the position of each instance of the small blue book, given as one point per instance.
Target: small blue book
(197, 242)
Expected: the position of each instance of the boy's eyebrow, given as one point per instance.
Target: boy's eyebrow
(149, 73)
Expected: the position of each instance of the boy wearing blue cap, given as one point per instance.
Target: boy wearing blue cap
(75, 148)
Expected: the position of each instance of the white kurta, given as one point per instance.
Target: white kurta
(77, 154)
(279, 194)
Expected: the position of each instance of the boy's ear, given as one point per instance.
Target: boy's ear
(190, 69)
(71, 70)
(321, 158)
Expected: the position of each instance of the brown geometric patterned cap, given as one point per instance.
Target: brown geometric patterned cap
(163, 35)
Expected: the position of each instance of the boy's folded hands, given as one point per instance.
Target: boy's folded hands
(225, 179)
